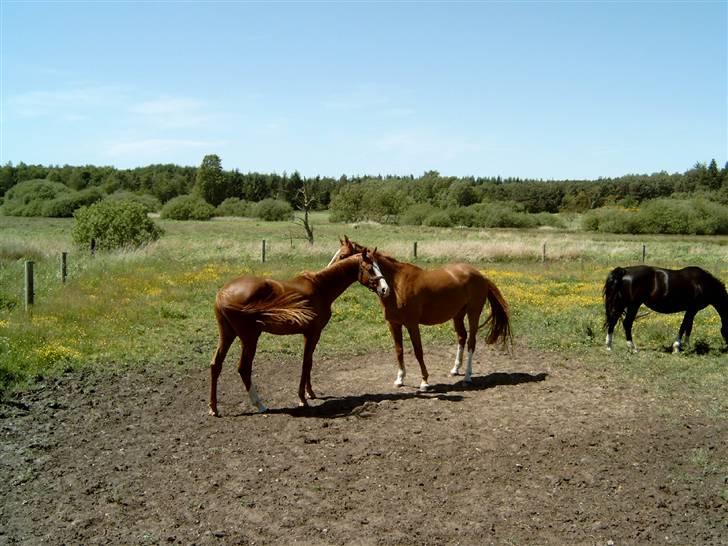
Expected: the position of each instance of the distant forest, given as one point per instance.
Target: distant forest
(384, 195)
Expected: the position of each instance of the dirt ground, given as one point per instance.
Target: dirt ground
(540, 450)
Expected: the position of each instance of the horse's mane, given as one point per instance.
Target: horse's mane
(287, 308)
(360, 248)
(317, 277)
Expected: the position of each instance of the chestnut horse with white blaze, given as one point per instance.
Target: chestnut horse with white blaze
(418, 296)
(249, 306)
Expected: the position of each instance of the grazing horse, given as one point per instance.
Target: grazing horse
(248, 306)
(663, 290)
(417, 296)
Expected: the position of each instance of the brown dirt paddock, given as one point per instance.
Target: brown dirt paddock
(540, 450)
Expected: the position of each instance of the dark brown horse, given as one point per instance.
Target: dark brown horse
(249, 306)
(663, 290)
(417, 296)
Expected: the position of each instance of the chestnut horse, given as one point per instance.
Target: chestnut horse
(663, 290)
(248, 306)
(419, 296)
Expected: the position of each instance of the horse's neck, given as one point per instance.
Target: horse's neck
(334, 279)
(396, 272)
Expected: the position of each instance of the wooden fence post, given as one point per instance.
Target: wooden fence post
(29, 290)
(262, 251)
(644, 252)
(64, 266)
(543, 253)
(414, 249)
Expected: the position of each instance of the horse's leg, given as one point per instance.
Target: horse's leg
(227, 336)
(686, 329)
(305, 384)
(245, 368)
(473, 318)
(457, 321)
(627, 323)
(396, 330)
(611, 323)
(414, 333)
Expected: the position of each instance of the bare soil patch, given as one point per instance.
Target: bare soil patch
(541, 449)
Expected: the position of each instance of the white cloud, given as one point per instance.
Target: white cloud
(66, 103)
(172, 112)
(368, 98)
(425, 145)
(159, 147)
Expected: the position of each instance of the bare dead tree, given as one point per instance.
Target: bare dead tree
(305, 204)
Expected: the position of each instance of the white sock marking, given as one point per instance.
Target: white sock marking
(458, 361)
(469, 368)
(255, 399)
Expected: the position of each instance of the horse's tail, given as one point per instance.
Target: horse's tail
(499, 321)
(289, 309)
(614, 304)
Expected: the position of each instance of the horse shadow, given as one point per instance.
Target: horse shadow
(358, 405)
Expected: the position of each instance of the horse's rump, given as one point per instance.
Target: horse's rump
(613, 298)
(285, 309)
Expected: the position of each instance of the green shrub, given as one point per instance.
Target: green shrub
(501, 215)
(234, 206)
(611, 220)
(149, 202)
(187, 207)
(273, 210)
(114, 224)
(676, 216)
(28, 198)
(463, 216)
(346, 204)
(439, 218)
(66, 204)
(415, 214)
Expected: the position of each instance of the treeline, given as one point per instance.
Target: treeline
(168, 181)
(380, 198)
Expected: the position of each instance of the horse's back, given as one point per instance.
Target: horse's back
(666, 290)
(244, 290)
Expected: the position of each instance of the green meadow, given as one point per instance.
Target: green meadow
(153, 306)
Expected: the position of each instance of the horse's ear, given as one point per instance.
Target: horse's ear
(364, 253)
(346, 240)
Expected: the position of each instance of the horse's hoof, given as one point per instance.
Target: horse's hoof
(262, 409)
(455, 372)
(213, 412)
(468, 380)
(424, 387)
(399, 384)
(303, 404)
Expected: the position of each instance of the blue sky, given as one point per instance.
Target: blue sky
(529, 89)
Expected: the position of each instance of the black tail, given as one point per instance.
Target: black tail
(614, 304)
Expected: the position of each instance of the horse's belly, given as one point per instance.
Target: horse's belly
(667, 309)
(437, 314)
(282, 329)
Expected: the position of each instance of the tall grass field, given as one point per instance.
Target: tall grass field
(153, 307)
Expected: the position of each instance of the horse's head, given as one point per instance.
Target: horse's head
(347, 248)
(370, 275)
